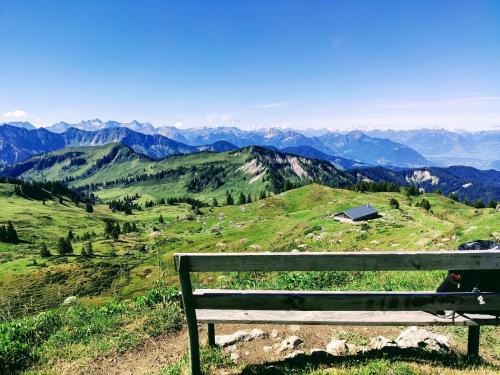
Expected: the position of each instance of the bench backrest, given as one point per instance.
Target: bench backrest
(336, 261)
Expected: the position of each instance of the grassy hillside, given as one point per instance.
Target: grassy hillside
(114, 170)
(299, 219)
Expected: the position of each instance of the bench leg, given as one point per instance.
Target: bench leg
(192, 322)
(473, 341)
(211, 334)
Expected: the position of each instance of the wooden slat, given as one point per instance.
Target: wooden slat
(341, 301)
(341, 261)
(352, 318)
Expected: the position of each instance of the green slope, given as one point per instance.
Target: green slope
(113, 171)
(297, 219)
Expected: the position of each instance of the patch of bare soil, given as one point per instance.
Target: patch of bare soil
(148, 359)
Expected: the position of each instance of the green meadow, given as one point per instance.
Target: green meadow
(113, 317)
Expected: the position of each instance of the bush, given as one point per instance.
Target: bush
(394, 203)
(315, 228)
(87, 330)
(424, 203)
(19, 339)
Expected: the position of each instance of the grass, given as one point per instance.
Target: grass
(82, 332)
(296, 220)
(110, 318)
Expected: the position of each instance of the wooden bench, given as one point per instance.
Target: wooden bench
(332, 308)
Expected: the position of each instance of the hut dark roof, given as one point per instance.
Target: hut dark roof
(360, 212)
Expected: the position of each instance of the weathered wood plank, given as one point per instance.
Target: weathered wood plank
(192, 323)
(341, 261)
(342, 301)
(352, 318)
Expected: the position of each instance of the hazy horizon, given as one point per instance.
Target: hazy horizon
(260, 128)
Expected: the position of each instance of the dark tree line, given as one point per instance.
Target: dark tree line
(209, 177)
(375, 187)
(172, 201)
(126, 204)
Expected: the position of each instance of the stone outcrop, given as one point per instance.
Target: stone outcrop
(416, 337)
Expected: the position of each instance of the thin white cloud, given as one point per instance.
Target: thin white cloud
(274, 105)
(15, 114)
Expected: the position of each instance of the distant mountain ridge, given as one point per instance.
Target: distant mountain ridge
(250, 168)
(400, 148)
(355, 145)
(467, 182)
(478, 149)
(18, 144)
(312, 153)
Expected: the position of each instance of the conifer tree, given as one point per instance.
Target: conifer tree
(70, 237)
(3, 233)
(44, 251)
(64, 246)
(126, 227)
(262, 195)
(242, 199)
(88, 207)
(11, 233)
(229, 199)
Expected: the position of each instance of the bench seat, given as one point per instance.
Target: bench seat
(348, 318)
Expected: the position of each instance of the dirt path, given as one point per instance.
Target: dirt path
(148, 359)
(155, 355)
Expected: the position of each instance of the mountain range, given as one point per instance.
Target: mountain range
(395, 148)
(443, 147)
(18, 144)
(114, 170)
(160, 142)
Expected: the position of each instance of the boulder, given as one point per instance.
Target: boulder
(71, 300)
(337, 347)
(239, 336)
(416, 337)
(290, 343)
(382, 342)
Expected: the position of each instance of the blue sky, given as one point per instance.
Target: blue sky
(335, 64)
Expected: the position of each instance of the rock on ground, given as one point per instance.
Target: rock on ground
(337, 347)
(290, 343)
(416, 337)
(71, 300)
(239, 336)
(381, 342)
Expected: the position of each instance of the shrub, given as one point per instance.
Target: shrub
(424, 203)
(315, 228)
(394, 203)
